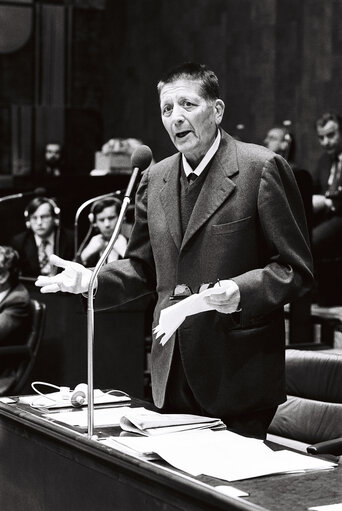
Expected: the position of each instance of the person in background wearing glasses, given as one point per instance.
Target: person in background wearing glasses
(43, 236)
(217, 210)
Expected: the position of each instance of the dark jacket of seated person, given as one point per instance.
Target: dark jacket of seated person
(43, 236)
(14, 300)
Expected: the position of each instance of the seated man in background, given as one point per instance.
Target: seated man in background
(43, 237)
(14, 299)
(281, 141)
(327, 199)
(103, 216)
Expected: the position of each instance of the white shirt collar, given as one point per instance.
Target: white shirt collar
(205, 160)
(50, 239)
(3, 294)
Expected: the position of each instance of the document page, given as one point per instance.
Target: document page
(229, 456)
(105, 417)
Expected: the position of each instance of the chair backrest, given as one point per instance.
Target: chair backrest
(23, 356)
(313, 410)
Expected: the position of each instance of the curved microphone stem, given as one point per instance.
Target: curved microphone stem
(90, 314)
(9, 197)
(79, 211)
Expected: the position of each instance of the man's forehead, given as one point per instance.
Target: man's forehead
(44, 207)
(181, 87)
(330, 127)
(276, 133)
(108, 211)
(53, 147)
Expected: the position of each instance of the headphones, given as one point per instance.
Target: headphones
(36, 203)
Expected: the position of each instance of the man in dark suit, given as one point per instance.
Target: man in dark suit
(240, 221)
(14, 300)
(43, 236)
(327, 199)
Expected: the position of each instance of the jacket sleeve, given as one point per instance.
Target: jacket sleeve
(288, 272)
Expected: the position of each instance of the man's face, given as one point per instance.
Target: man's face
(190, 120)
(53, 153)
(42, 221)
(106, 221)
(274, 140)
(330, 138)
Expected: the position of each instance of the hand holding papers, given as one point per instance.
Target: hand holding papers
(172, 317)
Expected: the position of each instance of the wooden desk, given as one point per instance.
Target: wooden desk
(49, 467)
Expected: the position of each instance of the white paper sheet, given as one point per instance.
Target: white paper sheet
(105, 417)
(230, 457)
(172, 317)
(328, 507)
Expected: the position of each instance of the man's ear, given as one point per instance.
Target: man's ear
(219, 110)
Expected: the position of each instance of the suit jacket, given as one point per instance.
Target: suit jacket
(14, 316)
(248, 225)
(25, 244)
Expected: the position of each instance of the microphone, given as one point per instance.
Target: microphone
(141, 159)
(78, 397)
(37, 191)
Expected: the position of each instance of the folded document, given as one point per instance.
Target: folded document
(146, 422)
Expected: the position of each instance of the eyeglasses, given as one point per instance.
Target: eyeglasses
(43, 218)
(182, 291)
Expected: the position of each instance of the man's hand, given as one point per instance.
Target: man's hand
(74, 279)
(226, 302)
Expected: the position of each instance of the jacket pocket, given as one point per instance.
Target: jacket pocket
(230, 227)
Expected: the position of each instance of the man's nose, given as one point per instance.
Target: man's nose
(325, 141)
(177, 115)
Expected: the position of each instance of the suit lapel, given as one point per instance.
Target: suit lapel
(216, 188)
(169, 197)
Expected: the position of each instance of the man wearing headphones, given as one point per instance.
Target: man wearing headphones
(103, 216)
(14, 299)
(42, 237)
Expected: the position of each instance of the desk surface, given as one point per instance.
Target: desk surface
(55, 467)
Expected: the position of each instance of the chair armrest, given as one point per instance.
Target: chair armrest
(327, 447)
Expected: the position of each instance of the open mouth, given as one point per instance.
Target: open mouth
(182, 134)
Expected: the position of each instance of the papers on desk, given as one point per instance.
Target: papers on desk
(221, 454)
(146, 422)
(104, 417)
(137, 420)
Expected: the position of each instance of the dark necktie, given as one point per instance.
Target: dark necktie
(44, 264)
(191, 177)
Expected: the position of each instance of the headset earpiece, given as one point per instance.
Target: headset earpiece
(91, 218)
(27, 219)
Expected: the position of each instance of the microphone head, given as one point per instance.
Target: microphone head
(39, 191)
(141, 157)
